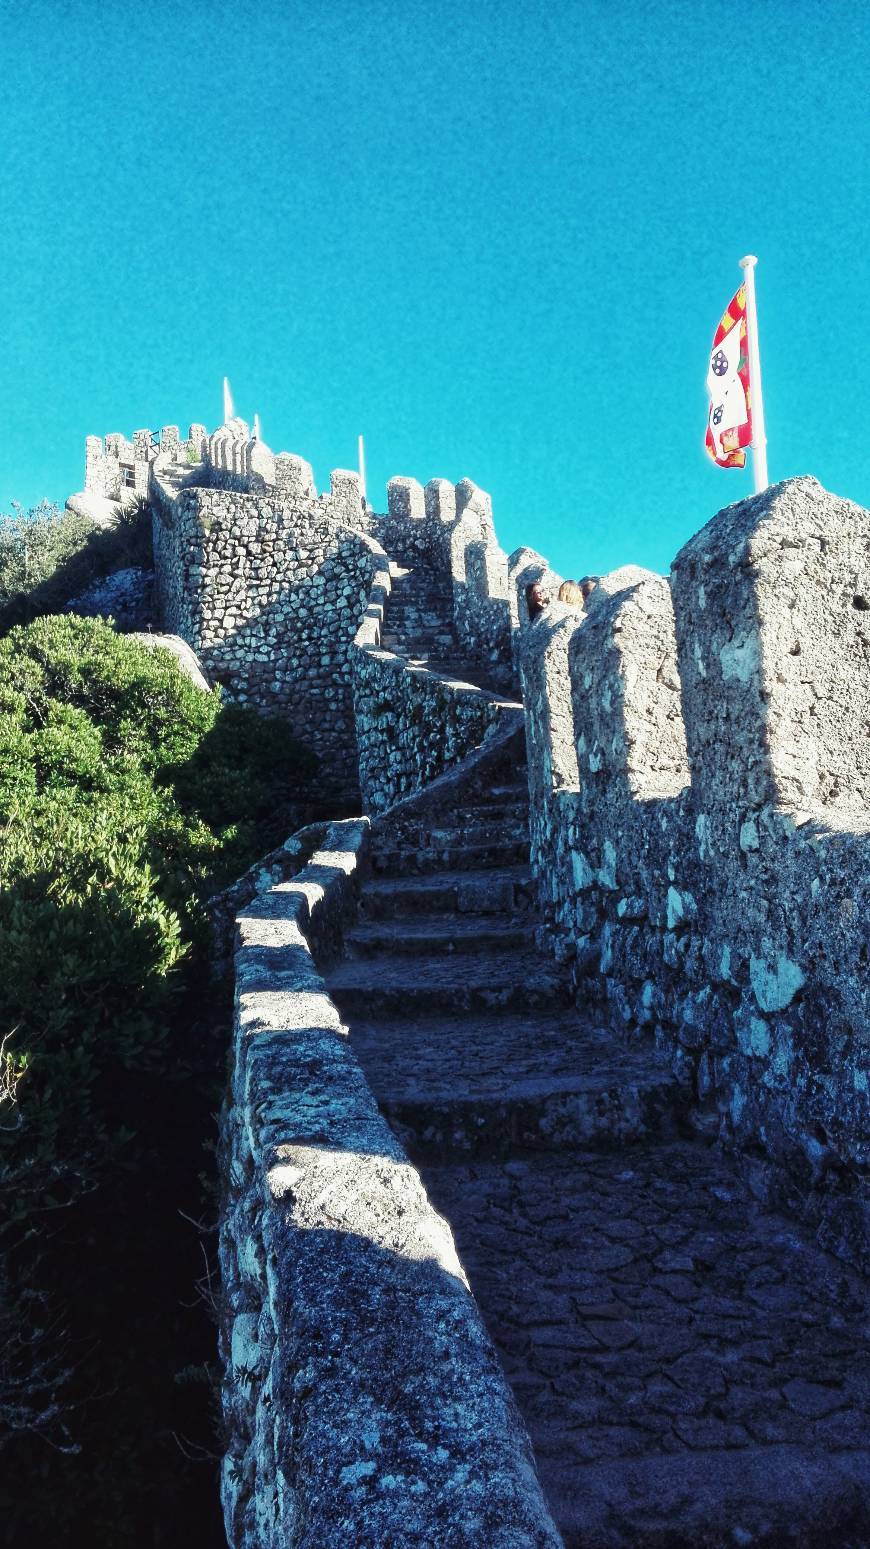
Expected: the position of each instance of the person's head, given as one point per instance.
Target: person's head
(571, 592)
(588, 584)
(537, 598)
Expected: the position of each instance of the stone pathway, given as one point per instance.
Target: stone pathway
(692, 1370)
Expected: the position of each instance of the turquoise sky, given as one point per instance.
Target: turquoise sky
(494, 238)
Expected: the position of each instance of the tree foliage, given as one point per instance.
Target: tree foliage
(48, 556)
(127, 795)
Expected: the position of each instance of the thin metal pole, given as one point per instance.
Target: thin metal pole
(759, 439)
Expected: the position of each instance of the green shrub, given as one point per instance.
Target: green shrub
(35, 543)
(126, 796)
(48, 556)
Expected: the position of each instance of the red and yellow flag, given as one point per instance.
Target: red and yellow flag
(729, 423)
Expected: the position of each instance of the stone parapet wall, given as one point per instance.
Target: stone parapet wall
(479, 571)
(412, 724)
(363, 1401)
(269, 590)
(698, 774)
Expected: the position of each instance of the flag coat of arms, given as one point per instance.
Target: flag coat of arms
(729, 423)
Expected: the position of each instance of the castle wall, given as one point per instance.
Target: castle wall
(708, 866)
(269, 590)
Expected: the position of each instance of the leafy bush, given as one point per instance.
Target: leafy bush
(126, 796)
(34, 543)
(48, 556)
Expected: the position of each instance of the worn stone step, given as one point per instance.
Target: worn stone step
(400, 860)
(417, 582)
(465, 982)
(511, 790)
(439, 832)
(425, 610)
(483, 1083)
(444, 933)
(498, 891)
(691, 1367)
(466, 829)
(433, 618)
(418, 644)
(492, 811)
(412, 643)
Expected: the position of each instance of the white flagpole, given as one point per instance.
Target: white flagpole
(228, 403)
(362, 469)
(759, 439)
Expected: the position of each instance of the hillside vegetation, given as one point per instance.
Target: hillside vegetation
(48, 556)
(127, 796)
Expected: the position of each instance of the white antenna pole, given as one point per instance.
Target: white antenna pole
(759, 439)
(228, 402)
(257, 427)
(362, 470)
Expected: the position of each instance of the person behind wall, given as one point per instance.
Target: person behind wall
(537, 598)
(571, 592)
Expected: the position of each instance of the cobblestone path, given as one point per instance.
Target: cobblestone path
(691, 1368)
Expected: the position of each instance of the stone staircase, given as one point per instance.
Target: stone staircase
(468, 1034)
(418, 617)
(688, 1365)
(418, 624)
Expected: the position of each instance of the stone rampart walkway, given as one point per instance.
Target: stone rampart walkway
(691, 1370)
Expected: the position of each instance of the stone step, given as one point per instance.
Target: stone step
(691, 1367)
(437, 833)
(421, 608)
(484, 1083)
(421, 583)
(414, 643)
(400, 860)
(485, 829)
(441, 933)
(473, 981)
(473, 673)
(425, 614)
(498, 891)
(517, 790)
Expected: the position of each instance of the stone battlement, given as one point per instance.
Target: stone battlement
(698, 763)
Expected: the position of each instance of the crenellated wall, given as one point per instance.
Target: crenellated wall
(698, 773)
(699, 779)
(123, 466)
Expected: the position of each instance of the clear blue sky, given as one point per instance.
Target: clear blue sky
(495, 238)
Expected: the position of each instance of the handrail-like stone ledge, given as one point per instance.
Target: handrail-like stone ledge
(364, 1402)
